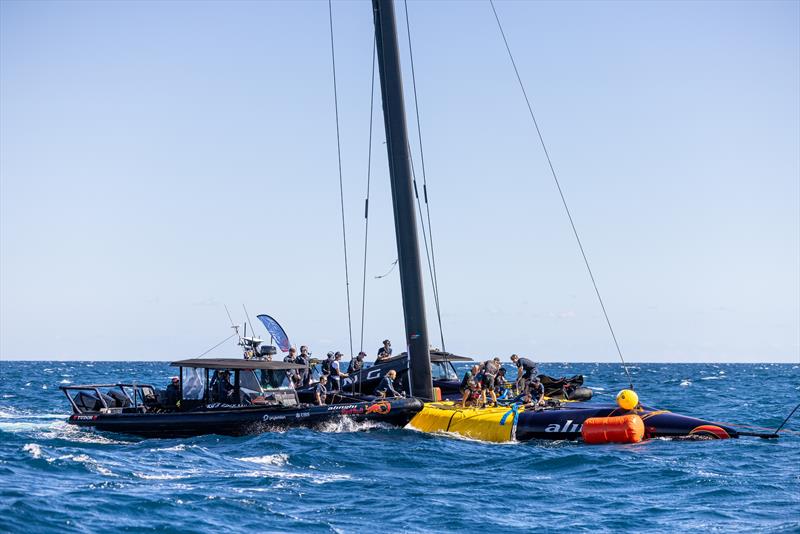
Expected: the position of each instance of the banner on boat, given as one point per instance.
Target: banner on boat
(276, 331)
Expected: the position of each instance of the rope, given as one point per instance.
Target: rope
(432, 255)
(561, 193)
(366, 202)
(341, 185)
(218, 344)
(387, 273)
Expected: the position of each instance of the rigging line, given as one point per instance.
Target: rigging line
(366, 202)
(427, 252)
(341, 184)
(387, 273)
(432, 259)
(217, 345)
(561, 193)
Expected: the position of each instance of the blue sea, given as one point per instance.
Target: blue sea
(368, 478)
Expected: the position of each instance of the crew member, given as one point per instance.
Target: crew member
(173, 392)
(224, 391)
(357, 363)
(386, 387)
(321, 392)
(303, 359)
(292, 356)
(468, 384)
(385, 352)
(490, 368)
(336, 372)
(526, 369)
(500, 388)
(536, 391)
(326, 365)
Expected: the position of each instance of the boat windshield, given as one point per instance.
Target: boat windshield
(274, 378)
(443, 371)
(249, 383)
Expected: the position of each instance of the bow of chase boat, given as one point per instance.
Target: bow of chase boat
(260, 399)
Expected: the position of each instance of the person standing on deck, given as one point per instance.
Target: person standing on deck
(385, 352)
(320, 391)
(303, 359)
(336, 372)
(468, 384)
(357, 363)
(526, 370)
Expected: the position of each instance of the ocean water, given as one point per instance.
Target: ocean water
(367, 478)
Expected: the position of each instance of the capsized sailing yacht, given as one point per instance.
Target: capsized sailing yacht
(627, 421)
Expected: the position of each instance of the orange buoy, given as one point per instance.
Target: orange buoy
(619, 429)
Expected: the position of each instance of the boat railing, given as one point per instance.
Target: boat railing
(126, 397)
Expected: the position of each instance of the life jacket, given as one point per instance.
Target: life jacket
(326, 366)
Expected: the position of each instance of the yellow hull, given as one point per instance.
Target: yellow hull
(487, 424)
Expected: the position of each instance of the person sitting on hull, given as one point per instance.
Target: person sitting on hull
(468, 385)
(385, 352)
(536, 392)
(489, 373)
(386, 387)
(526, 370)
(173, 392)
(320, 391)
(500, 389)
(336, 372)
(357, 363)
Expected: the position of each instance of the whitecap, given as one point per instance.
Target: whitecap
(33, 449)
(347, 425)
(65, 381)
(8, 396)
(686, 382)
(269, 459)
(712, 378)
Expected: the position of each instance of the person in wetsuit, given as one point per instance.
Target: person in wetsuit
(468, 384)
(386, 387)
(320, 391)
(526, 370)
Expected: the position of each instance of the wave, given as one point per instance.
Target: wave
(270, 459)
(348, 425)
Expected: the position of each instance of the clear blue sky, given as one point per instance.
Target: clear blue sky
(161, 159)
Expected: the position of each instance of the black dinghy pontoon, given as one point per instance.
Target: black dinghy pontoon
(259, 399)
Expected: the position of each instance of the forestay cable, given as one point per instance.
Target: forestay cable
(341, 185)
(561, 192)
(429, 235)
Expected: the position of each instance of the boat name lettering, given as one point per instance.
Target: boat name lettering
(273, 417)
(574, 429)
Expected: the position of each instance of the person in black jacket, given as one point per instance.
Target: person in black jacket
(356, 364)
(173, 393)
(320, 391)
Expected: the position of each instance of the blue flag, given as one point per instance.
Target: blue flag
(276, 331)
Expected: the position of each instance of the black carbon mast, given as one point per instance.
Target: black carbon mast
(405, 222)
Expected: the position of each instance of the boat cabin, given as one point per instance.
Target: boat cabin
(235, 381)
(212, 383)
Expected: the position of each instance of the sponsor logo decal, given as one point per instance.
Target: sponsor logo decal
(566, 428)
